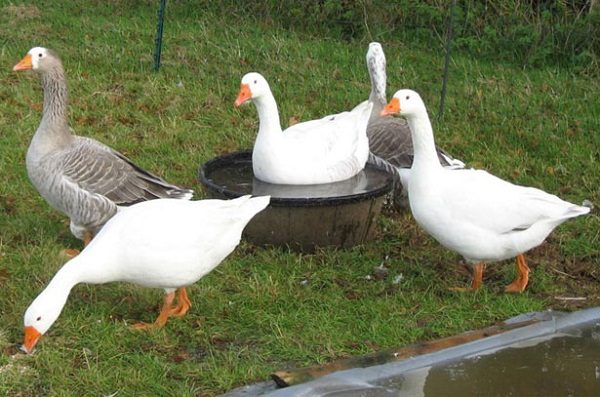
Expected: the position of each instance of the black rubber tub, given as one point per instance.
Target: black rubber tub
(302, 217)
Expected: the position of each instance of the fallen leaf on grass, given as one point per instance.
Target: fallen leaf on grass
(4, 274)
(8, 204)
(10, 350)
(293, 120)
(21, 12)
(181, 356)
(380, 272)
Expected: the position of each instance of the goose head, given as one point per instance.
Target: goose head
(38, 59)
(405, 103)
(39, 317)
(253, 85)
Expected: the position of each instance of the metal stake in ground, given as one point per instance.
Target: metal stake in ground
(159, 34)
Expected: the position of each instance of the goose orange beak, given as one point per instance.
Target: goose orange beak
(25, 64)
(30, 339)
(391, 108)
(243, 95)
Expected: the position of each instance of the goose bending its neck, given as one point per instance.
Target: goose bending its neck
(156, 244)
(81, 269)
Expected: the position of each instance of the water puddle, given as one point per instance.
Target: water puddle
(564, 365)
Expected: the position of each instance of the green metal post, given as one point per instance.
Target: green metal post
(159, 34)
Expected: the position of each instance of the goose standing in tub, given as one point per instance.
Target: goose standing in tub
(81, 177)
(390, 142)
(166, 243)
(472, 212)
(327, 150)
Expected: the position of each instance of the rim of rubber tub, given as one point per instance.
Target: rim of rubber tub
(244, 156)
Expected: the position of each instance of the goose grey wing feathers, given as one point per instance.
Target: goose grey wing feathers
(99, 169)
(390, 140)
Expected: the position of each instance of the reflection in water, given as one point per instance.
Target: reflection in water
(356, 185)
(562, 366)
(238, 177)
(410, 384)
(557, 367)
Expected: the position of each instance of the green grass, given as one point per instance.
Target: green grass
(267, 309)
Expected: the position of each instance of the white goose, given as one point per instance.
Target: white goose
(472, 212)
(165, 243)
(390, 142)
(331, 149)
(79, 176)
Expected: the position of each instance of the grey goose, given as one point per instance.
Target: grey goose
(81, 177)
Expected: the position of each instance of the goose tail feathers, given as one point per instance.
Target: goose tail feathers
(179, 193)
(453, 164)
(588, 204)
(573, 211)
(577, 210)
(251, 206)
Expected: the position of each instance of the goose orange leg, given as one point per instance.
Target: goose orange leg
(163, 316)
(477, 276)
(183, 303)
(477, 281)
(87, 237)
(520, 282)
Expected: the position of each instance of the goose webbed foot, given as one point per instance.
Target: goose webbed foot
(520, 282)
(163, 316)
(183, 304)
(168, 309)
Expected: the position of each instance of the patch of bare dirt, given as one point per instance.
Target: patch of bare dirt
(21, 11)
(578, 277)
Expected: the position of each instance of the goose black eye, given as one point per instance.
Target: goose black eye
(39, 318)
(40, 55)
(408, 97)
(254, 81)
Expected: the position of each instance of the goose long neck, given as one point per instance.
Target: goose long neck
(68, 276)
(54, 115)
(423, 142)
(62, 283)
(268, 114)
(378, 83)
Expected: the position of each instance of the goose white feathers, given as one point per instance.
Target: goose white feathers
(165, 243)
(81, 177)
(390, 141)
(472, 212)
(327, 150)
